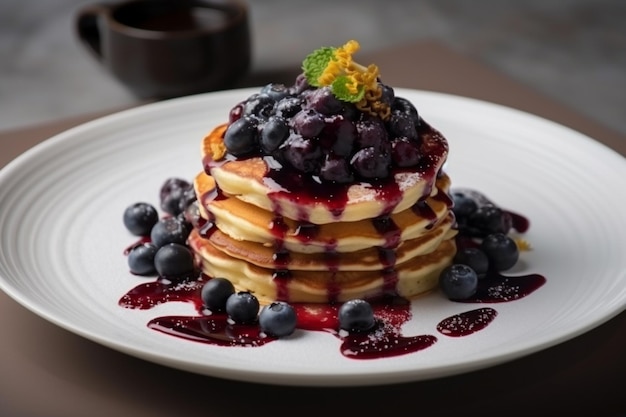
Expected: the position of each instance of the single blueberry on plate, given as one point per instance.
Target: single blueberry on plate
(501, 250)
(356, 316)
(278, 319)
(464, 205)
(173, 194)
(174, 260)
(458, 282)
(169, 230)
(242, 307)
(139, 218)
(215, 292)
(475, 258)
(489, 219)
(141, 259)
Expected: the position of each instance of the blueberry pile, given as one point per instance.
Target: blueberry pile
(164, 249)
(312, 131)
(277, 319)
(484, 244)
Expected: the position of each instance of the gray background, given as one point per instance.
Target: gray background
(572, 50)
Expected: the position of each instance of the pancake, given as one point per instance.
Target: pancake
(372, 258)
(409, 279)
(244, 221)
(260, 181)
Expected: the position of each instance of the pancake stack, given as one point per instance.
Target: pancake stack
(245, 236)
(284, 232)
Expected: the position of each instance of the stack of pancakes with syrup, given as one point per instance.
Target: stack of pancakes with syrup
(283, 234)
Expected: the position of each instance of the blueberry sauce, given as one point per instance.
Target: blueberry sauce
(498, 288)
(466, 323)
(214, 330)
(151, 294)
(389, 230)
(205, 227)
(519, 222)
(385, 340)
(306, 232)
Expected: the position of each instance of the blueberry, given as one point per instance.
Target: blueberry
(172, 192)
(215, 292)
(188, 197)
(275, 91)
(171, 202)
(241, 137)
(278, 319)
(139, 218)
(489, 219)
(242, 307)
(370, 132)
(401, 124)
(259, 105)
(370, 163)
(300, 85)
(303, 154)
(337, 170)
(356, 316)
(191, 216)
(274, 133)
(474, 258)
(169, 230)
(324, 101)
(339, 134)
(308, 123)
(171, 184)
(402, 105)
(173, 260)
(464, 205)
(288, 107)
(141, 259)
(349, 111)
(501, 250)
(405, 152)
(458, 282)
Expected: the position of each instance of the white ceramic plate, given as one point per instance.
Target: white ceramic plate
(62, 238)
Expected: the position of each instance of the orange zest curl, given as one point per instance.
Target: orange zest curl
(349, 81)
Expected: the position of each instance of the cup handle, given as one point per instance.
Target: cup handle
(88, 29)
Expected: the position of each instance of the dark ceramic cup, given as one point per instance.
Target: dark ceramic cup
(169, 48)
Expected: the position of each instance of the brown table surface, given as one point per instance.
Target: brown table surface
(47, 371)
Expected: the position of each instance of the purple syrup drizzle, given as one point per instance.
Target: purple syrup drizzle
(150, 294)
(498, 288)
(466, 323)
(519, 222)
(214, 330)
